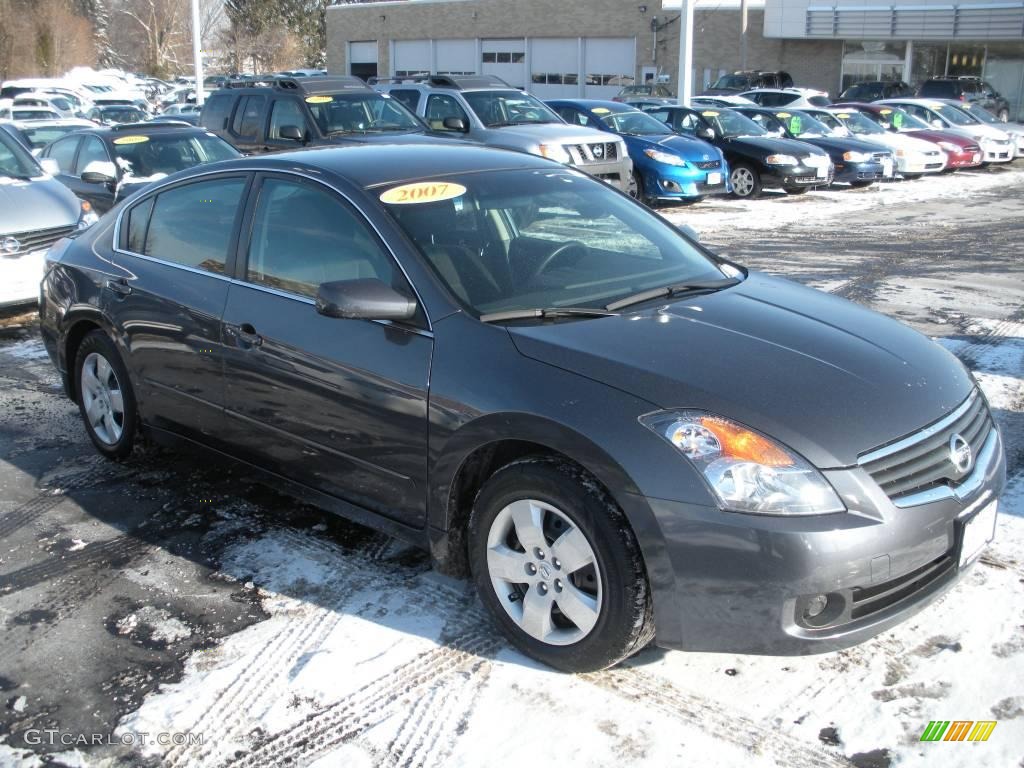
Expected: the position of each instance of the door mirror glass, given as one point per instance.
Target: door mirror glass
(454, 124)
(99, 172)
(937, 124)
(291, 132)
(366, 299)
(50, 166)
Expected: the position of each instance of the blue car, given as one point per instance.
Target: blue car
(666, 166)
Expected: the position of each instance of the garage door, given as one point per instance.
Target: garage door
(506, 59)
(362, 59)
(609, 64)
(455, 57)
(555, 67)
(412, 57)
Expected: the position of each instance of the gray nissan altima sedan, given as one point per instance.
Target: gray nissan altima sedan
(620, 436)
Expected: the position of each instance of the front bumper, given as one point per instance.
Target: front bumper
(919, 163)
(963, 159)
(675, 183)
(797, 176)
(22, 274)
(870, 170)
(618, 172)
(742, 582)
(1002, 153)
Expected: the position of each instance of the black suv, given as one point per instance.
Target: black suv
(970, 89)
(288, 113)
(873, 90)
(747, 80)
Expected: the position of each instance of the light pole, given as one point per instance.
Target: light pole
(685, 77)
(197, 52)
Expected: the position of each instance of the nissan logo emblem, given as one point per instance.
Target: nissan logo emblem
(598, 150)
(960, 454)
(10, 245)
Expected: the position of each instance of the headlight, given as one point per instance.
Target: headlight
(746, 470)
(856, 157)
(987, 142)
(555, 152)
(88, 216)
(949, 146)
(901, 153)
(664, 157)
(780, 160)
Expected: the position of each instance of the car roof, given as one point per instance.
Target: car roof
(111, 132)
(375, 165)
(589, 104)
(297, 85)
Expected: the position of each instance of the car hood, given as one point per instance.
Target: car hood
(828, 378)
(899, 141)
(769, 145)
(41, 203)
(680, 145)
(386, 137)
(934, 135)
(559, 132)
(841, 145)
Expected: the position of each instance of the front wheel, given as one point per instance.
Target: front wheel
(912, 176)
(637, 191)
(746, 181)
(557, 565)
(861, 184)
(105, 397)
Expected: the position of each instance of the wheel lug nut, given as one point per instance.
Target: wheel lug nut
(542, 588)
(538, 553)
(531, 568)
(556, 563)
(558, 585)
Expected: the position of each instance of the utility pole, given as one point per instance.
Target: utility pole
(197, 51)
(743, 34)
(686, 52)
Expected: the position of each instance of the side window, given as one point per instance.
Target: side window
(135, 223)
(192, 224)
(286, 112)
(410, 99)
(249, 117)
(216, 111)
(440, 106)
(573, 116)
(63, 152)
(302, 236)
(92, 151)
(688, 122)
(661, 115)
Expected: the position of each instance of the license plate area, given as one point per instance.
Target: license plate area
(714, 178)
(978, 531)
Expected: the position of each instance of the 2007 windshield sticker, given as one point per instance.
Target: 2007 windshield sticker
(131, 139)
(422, 192)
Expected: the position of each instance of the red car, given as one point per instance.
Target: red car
(962, 151)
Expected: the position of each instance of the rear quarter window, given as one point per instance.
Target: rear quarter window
(408, 98)
(939, 89)
(216, 111)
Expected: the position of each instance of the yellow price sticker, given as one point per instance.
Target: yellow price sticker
(131, 139)
(783, 114)
(319, 99)
(422, 192)
(885, 111)
(710, 113)
(600, 110)
(843, 115)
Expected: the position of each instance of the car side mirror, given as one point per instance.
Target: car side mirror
(291, 132)
(706, 133)
(366, 299)
(937, 124)
(99, 172)
(454, 124)
(50, 166)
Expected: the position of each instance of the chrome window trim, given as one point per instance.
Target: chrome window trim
(428, 331)
(920, 435)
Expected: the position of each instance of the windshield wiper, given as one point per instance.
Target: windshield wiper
(545, 314)
(667, 291)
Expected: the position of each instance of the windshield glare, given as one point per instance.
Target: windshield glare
(15, 161)
(859, 125)
(981, 114)
(363, 113)
(635, 124)
(801, 125)
(953, 115)
(162, 155)
(903, 121)
(728, 123)
(731, 81)
(522, 239)
(496, 108)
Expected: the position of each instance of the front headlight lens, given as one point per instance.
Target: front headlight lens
(949, 146)
(664, 157)
(780, 160)
(555, 152)
(88, 216)
(856, 157)
(747, 471)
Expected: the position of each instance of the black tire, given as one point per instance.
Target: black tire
(119, 444)
(912, 176)
(624, 623)
(640, 194)
(796, 190)
(861, 184)
(750, 184)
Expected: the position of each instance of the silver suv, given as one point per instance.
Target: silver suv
(486, 109)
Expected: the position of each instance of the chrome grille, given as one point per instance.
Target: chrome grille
(600, 152)
(39, 239)
(922, 460)
(707, 165)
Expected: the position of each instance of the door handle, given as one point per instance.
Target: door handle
(247, 335)
(119, 287)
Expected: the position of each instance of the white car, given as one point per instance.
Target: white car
(722, 100)
(791, 98)
(1014, 130)
(914, 157)
(56, 102)
(28, 113)
(996, 144)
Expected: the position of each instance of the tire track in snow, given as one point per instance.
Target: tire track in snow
(113, 553)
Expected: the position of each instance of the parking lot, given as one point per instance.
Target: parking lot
(165, 611)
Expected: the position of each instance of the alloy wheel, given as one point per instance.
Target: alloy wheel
(742, 181)
(102, 398)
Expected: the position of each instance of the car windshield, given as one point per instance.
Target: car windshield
(519, 239)
(160, 154)
(123, 114)
(634, 124)
(980, 113)
(731, 81)
(952, 114)
(360, 113)
(730, 124)
(802, 126)
(859, 125)
(34, 114)
(498, 108)
(898, 119)
(15, 162)
(40, 136)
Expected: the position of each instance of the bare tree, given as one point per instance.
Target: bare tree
(152, 35)
(45, 37)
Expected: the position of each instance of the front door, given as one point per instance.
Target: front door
(340, 405)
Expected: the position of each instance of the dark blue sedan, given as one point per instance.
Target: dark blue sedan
(666, 166)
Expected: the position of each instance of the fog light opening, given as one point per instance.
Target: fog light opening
(816, 606)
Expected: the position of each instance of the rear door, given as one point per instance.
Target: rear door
(246, 131)
(339, 405)
(177, 249)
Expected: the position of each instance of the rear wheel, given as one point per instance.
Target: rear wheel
(105, 397)
(746, 182)
(558, 566)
